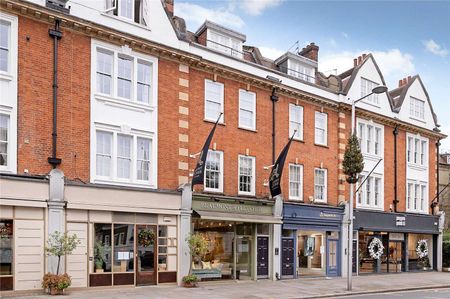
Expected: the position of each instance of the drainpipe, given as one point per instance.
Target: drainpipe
(274, 99)
(395, 132)
(56, 35)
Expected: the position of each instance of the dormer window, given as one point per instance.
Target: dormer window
(133, 10)
(297, 66)
(221, 39)
(416, 108)
(301, 71)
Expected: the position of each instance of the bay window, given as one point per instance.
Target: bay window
(296, 121)
(370, 195)
(124, 158)
(214, 171)
(416, 197)
(416, 150)
(370, 136)
(125, 77)
(295, 182)
(246, 175)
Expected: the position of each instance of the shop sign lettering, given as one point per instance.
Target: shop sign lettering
(233, 208)
(400, 221)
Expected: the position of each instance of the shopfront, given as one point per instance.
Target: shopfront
(311, 241)
(239, 235)
(394, 242)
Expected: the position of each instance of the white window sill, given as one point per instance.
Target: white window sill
(139, 184)
(4, 76)
(248, 129)
(360, 206)
(6, 169)
(125, 20)
(297, 139)
(417, 166)
(418, 119)
(319, 200)
(417, 212)
(116, 102)
(246, 193)
(214, 121)
(371, 157)
(212, 190)
(296, 199)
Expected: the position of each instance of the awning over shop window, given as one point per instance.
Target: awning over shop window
(211, 215)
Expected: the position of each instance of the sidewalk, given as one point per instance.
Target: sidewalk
(300, 288)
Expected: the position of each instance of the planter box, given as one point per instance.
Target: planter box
(444, 269)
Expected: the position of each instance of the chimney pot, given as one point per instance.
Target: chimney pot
(364, 55)
(359, 60)
(409, 78)
(400, 83)
(355, 62)
(405, 81)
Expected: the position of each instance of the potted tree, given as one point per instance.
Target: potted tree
(59, 245)
(198, 246)
(99, 256)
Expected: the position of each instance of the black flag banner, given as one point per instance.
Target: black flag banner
(277, 170)
(199, 172)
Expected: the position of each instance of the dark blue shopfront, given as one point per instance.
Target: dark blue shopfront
(311, 240)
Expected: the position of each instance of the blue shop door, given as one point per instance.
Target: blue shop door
(332, 257)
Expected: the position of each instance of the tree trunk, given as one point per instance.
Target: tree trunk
(57, 268)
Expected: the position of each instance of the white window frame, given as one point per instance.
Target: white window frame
(301, 71)
(325, 186)
(114, 178)
(221, 170)
(7, 141)
(136, 58)
(253, 173)
(223, 43)
(417, 151)
(325, 129)
(253, 111)
(299, 134)
(416, 196)
(367, 138)
(300, 182)
(361, 197)
(9, 25)
(366, 87)
(114, 5)
(219, 101)
(417, 108)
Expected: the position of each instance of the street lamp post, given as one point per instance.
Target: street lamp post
(376, 90)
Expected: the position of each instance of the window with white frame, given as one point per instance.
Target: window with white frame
(416, 108)
(133, 10)
(296, 121)
(370, 194)
(247, 109)
(5, 29)
(214, 171)
(295, 182)
(416, 150)
(416, 197)
(320, 184)
(4, 136)
(124, 76)
(246, 175)
(370, 136)
(321, 128)
(213, 100)
(301, 71)
(366, 88)
(224, 44)
(123, 157)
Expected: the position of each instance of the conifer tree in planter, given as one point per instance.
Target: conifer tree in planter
(353, 163)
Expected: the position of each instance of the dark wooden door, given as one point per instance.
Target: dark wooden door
(263, 256)
(146, 256)
(287, 257)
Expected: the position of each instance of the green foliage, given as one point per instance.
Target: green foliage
(198, 245)
(53, 281)
(99, 254)
(353, 160)
(190, 279)
(59, 244)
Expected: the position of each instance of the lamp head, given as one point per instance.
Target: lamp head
(380, 89)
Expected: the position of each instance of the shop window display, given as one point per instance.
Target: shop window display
(420, 248)
(123, 248)
(311, 253)
(373, 252)
(6, 255)
(102, 248)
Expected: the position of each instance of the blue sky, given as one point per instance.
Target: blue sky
(406, 37)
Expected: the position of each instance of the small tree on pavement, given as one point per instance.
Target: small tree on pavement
(59, 244)
(353, 160)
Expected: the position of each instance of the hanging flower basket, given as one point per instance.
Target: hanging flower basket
(146, 237)
(376, 248)
(6, 231)
(422, 248)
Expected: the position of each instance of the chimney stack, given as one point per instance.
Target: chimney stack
(359, 60)
(355, 62)
(400, 83)
(311, 51)
(169, 6)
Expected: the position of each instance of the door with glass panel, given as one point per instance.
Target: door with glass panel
(146, 239)
(395, 256)
(243, 258)
(332, 258)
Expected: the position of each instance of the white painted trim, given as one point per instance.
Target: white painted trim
(8, 81)
(325, 199)
(252, 183)
(221, 101)
(326, 128)
(291, 106)
(220, 189)
(253, 127)
(300, 191)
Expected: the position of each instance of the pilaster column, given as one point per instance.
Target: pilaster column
(185, 230)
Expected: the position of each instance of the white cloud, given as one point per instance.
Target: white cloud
(197, 14)
(271, 53)
(434, 48)
(393, 64)
(256, 7)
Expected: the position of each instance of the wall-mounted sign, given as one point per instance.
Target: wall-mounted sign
(400, 221)
(328, 215)
(231, 207)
